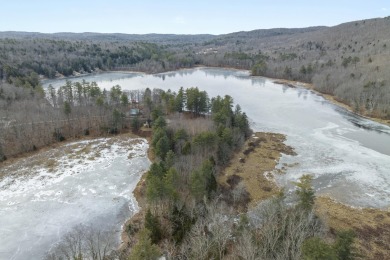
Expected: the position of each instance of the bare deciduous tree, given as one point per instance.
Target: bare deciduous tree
(84, 242)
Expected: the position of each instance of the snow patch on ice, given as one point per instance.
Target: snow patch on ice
(85, 182)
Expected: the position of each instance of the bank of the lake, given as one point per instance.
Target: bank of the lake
(46, 194)
(255, 166)
(371, 226)
(290, 83)
(330, 98)
(338, 147)
(311, 125)
(136, 221)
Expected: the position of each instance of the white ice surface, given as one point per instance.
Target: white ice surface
(37, 208)
(348, 155)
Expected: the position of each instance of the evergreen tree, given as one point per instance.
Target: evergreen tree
(162, 147)
(179, 100)
(116, 119)
(169, 159)
(147, 100)
(135, 124)
(198, 185)
(67, 109)
(144, 249)
(159, 123)
(153, 225)
(305, 192)
(157, 113)
(2, 155)
(155, 188)
(344, 245)
(124, 100)
(316, 249)
(171, 184)
(115, 94)
(157, 135)
(197, 101)
(203, 182)
(181, 223)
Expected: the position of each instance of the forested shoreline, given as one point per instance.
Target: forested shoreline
(347, 61)
(187, 211)
(187, 214)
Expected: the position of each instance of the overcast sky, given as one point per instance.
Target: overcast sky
(180, 17)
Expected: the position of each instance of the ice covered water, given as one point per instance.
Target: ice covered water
(348, 155)
(93, 187)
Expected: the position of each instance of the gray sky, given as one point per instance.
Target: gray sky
(181, 17)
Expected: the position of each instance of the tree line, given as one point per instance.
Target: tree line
(32, 117)
(23, 62)
(348, 61)
(189, 216)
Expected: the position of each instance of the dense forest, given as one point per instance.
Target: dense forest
(190, 216)
(187, 214)
(348, 61)
(31, 118)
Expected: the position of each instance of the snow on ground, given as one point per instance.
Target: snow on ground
(87, 182)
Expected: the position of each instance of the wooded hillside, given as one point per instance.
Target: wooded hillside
(348, 61)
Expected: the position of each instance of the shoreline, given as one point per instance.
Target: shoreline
(254, 165)
(257, 172)
(266, 157)
(13, 158)
(370, 225)
(34, 174)
(310, 87)
(290, 83)
(125, 240)
(330, 98)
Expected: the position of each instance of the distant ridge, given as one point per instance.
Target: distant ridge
(275, 31)
(155, 37)
(120, 37)
(349, 61)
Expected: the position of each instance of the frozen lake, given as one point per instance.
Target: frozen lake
(348, 155)
(46, 195)
(91, 182)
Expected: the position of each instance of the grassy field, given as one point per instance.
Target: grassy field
(371, 226)
(255, 167)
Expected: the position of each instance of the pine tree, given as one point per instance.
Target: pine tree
(162, 147)
(344, 245)
(153, 225)
(316, 249)
(305, 192)
(144, 249)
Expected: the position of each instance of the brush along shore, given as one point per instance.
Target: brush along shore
(254, 166)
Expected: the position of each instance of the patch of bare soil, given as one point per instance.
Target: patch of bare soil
(372, 226)
(255, 164)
